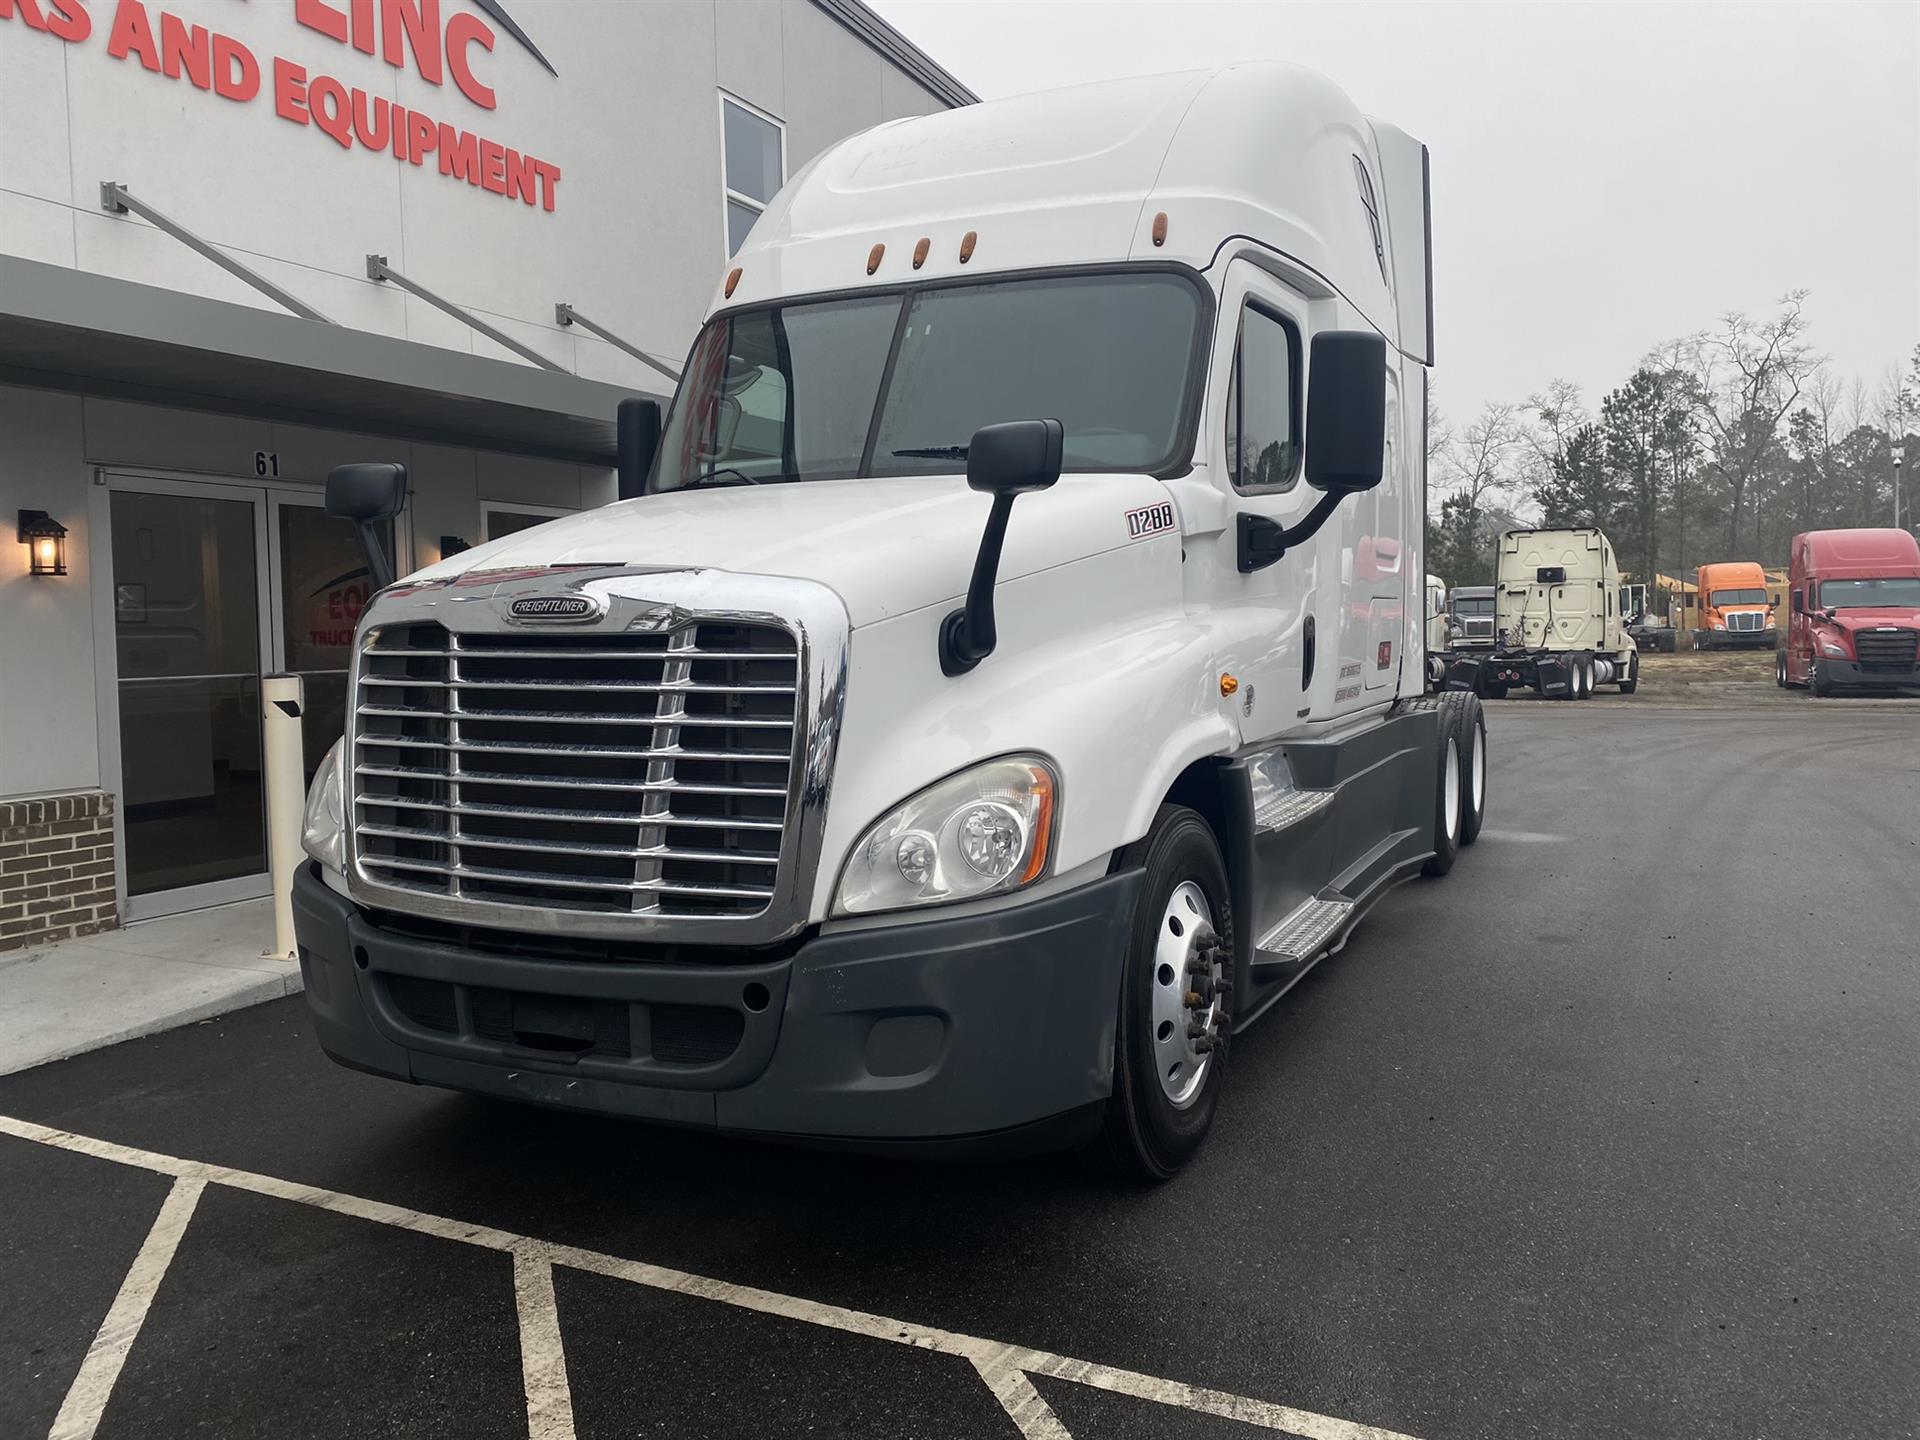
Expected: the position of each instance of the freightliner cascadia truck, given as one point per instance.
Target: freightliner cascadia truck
(1557, 625)
(1008, 684)
(1735, 610)
(1854, 612)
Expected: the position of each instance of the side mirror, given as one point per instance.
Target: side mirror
(367, 494)
(636, 437)
(1015, 457)
(1346, 411)
(1002, 461)
(1346, 440)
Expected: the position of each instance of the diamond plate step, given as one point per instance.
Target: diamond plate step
(1289, 807)
(1303, 934)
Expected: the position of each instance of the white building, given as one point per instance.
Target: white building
(506, 157)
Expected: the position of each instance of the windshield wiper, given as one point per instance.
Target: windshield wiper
(935, 452)
(712, 477)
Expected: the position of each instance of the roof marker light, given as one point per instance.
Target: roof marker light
(873, 258)
(920, 252)
(1160, 228)
(733, 279)
(967, 242)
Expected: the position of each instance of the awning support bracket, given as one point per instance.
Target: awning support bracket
(378, 269)
(567, 315)
(116, 199)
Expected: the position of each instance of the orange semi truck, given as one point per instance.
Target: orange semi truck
(1735, 612)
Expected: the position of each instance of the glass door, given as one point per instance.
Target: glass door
(320, 586)
(189, 636)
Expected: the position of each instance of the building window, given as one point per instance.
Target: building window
(754, 154)
(1372, 207)
(1263, 403)
(497, 521)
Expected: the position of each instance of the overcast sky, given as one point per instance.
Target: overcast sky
(1605, 176)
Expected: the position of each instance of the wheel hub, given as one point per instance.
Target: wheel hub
(1190, 989)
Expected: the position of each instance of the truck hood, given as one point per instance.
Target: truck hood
(1872, 618)
(885, 546)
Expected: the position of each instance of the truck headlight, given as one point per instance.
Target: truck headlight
(985, 831)
(1719, 624)
(323, 831)
(1832, 649)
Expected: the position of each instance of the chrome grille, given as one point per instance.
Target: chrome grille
(1747, 620)
(645, 773)
(1892, 649)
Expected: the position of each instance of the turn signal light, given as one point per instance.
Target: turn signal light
(1228, 684)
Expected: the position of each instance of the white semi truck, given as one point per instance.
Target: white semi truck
(1005, 683)
(1558, 626)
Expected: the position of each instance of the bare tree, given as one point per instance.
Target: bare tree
(1750, 374)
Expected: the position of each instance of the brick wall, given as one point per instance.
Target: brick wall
(56, 868)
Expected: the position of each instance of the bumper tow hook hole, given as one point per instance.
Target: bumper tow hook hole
(360, 956)
(755, 997)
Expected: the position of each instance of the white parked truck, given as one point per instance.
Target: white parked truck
(1557, 624)
(1008, 684)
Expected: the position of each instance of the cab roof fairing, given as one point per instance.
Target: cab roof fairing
(1075, 177)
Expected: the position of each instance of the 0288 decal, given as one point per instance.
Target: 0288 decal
(1150, 520)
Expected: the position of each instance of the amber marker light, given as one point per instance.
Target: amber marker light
(1228, 684)
(967, 242)
(873, 258)
(920, 252)
(1160, 228)
(733, 280)
(1042, 824)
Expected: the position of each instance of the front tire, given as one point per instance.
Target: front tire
(1169, 1061)
(1822, 687)
(1630, 681)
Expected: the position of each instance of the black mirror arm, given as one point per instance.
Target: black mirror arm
(379, 567)
(968, 635)
(1262, 542)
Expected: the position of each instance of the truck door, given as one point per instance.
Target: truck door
(1278, 632)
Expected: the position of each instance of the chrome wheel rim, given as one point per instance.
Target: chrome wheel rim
(1451, 785)
(1188, 1013)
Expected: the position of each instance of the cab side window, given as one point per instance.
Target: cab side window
(1263, 403)
(1798, 608)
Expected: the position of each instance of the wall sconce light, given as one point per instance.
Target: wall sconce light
(46, 542)
(451, 545)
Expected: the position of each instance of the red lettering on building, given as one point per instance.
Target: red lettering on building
(350, 116)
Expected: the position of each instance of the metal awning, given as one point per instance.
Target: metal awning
(66, 329)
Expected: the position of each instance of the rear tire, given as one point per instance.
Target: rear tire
(1152, 1129)
(1449, 805)
(1630, 677)
(1780, 668)
(1473, 773)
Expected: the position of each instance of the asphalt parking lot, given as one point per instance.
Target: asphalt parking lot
(1612, 1132)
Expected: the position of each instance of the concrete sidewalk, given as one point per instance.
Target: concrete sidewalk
(80, 995)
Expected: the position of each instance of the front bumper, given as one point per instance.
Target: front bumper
(1768, 639)
(1850, 675)
(939, 1030)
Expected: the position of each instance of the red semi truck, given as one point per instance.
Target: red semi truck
(1854, 607)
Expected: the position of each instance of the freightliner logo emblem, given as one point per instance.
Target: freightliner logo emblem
(553, 607)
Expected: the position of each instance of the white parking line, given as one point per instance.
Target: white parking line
(87, 1397)
(543, 1355)
(1003, 1368)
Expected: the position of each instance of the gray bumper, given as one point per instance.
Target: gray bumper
(1850, 675)
(943, 1029)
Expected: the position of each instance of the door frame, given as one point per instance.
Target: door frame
(266, 496)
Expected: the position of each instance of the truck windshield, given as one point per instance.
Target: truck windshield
(1473, 605)
(1739, 597)
(896, 384)
(1858, 594)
